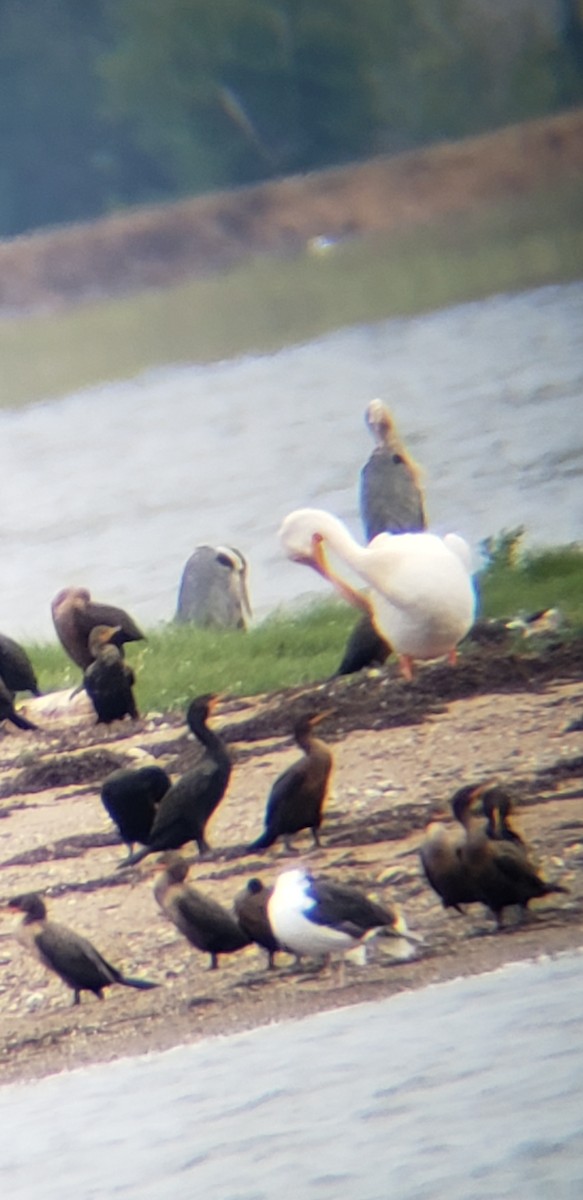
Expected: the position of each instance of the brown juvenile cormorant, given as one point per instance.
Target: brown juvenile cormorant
(131, 798)
(16, 668)
(186, 808)
(314, 916)
(75, 614)
(297, 797)
(68, 954)
(203, 922)
(441, 857)
(8, 711)
(250, 907)
(500, 870)
(108, 680)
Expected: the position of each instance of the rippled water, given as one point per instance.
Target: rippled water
(470, 1090)
(112, 488)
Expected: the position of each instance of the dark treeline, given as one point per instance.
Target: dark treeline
(120, 102)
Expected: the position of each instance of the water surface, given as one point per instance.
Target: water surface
(112, 488)
(470, 1090)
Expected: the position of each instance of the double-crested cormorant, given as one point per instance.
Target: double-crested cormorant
(75, 614)
(108, 680)
(184, 811)
(68, 954)
(131, 798)
(391, 499)
(8, 711)
(497, 806)
(364, 648)
(213, 589)
(441, 859)
(16, 668)
(500, 870)
(205, 923)
(421, 596)
(315, 917)
(297, 797)
(250, 906)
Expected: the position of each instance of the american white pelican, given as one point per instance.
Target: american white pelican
(421, 596)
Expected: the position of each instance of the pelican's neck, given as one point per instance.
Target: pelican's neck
(342, 543)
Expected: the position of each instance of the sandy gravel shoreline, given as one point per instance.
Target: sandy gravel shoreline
(389, 778)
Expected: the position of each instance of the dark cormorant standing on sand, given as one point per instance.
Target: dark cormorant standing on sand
(8, 711)
(131, 798)
(314, 916)
(250, 906)
(108, 680)
(16, 668)
(186, 808)
(297, 797)
(391, 501)
(75, 614)
(72, 957)
(500, 870)
(203, 922)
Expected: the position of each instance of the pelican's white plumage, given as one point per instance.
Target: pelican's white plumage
(421, 597)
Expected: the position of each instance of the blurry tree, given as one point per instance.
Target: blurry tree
(115, 102)
(51, 140)
(219, 91)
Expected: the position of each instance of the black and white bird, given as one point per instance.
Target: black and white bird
(316, 917)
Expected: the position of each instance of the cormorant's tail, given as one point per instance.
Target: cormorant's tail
(136, 857)
(20, 721)
(268, 837)
(143, 984)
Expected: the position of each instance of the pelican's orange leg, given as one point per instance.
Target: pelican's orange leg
(452, 657)
(406, 665)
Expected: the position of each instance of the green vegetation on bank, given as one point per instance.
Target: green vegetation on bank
(290, 649)
(266, 303)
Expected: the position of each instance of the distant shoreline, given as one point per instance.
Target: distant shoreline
(161, 246)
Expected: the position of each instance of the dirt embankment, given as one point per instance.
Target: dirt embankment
(400, 751)
(161, 246)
